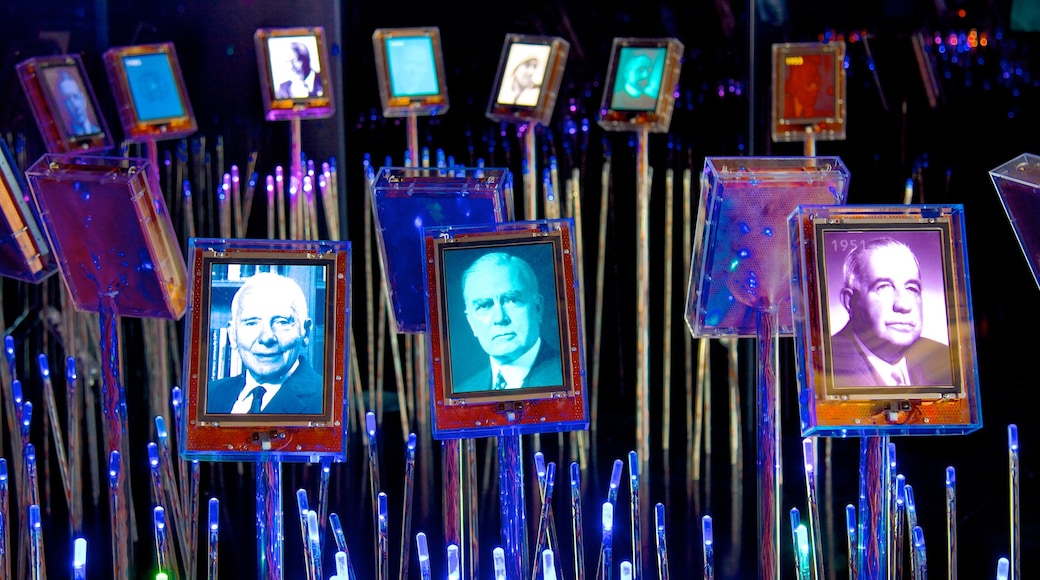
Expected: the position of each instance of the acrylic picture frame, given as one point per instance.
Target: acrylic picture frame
(641, 81)
(740, 265)
(64, 105)
(111, 234)
(809, 89)
(410, 71)
(149, 91)
(1017, 182)
(305, 418)
(280, 52)
(527, 83)
(883, 326)
(469, 295)
(25, 252)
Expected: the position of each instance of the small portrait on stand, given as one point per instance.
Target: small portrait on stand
(73, 104)
(808, 87)
(887, 313)
(295, 67)
(638, 83)
(524, 74)
(503, 319)
(266, 332)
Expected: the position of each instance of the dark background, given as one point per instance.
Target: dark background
(986, 115)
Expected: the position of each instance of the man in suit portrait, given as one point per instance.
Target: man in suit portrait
(75, 102)
(504, 308)
(304, 81)
(269, 328)
(882, 346)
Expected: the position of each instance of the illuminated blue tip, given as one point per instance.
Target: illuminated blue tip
(411, 442)
(918, 537)
(1013, 437)
(45, 367)
(30, 454)
(153, 454)
(9, 346)
(312, 527)
(214, 514)
(951, 476)
(70, 368)
(422, 547)
(608, 516)
(160, 427)
(659, 515)
(850, 518)
(382, 505)
(159, 515)
(539, 464)
(3, 471)
(301, 500)
(550, 474)
(706, 531)
(79, 551)
(177, 397)
(370, 423)
(34, 517)
(113, 465)
(575, 473)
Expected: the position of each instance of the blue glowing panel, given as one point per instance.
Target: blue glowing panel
(153, 87)
(413, 68)
(405, 204)
(741, 264)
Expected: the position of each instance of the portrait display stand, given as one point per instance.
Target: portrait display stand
(1018, 184)
(410, 73)
(304, 420)
(25, 253)
(286, 96)
(740, 286)
(809, 93)
(114, 243)
(530, 71)
(150, 95)
(640, 96)
(63, 104)
(925, 305)
(520, 277)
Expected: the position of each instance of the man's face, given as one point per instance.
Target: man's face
(639, 71)
(503, 313)
(886, 308)
(75, 102)
(268, 335)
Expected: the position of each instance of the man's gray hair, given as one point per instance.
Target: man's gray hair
(522, 268)
(273, 284)
(856, 260)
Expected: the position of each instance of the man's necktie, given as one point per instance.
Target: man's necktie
(258, 399)
(500, 382)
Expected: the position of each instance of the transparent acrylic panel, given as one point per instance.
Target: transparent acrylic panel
(741, 262)
(405, 200)
(25, 253)
(63, 103)
(410, 71)
(111, 234)
(883, 323)
(1018, 185)
(505, 294)
(300, 288)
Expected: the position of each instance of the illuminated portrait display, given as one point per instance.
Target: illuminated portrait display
(410, 71)
(149, 90)
(883, 320)
(808, 91)
(641, 81)
(268, 348)
(504, 312)
(63, 104)
(529, 74)
(294, 73)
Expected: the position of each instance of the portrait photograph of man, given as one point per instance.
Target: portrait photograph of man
(637, 84)
(887, 310)
(74, 106)
(503, 320)
(266, 344)
(295, 67)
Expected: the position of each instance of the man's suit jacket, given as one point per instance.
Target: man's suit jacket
(545, 372)
(927, 361)
(302, 393)
(284, 89)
